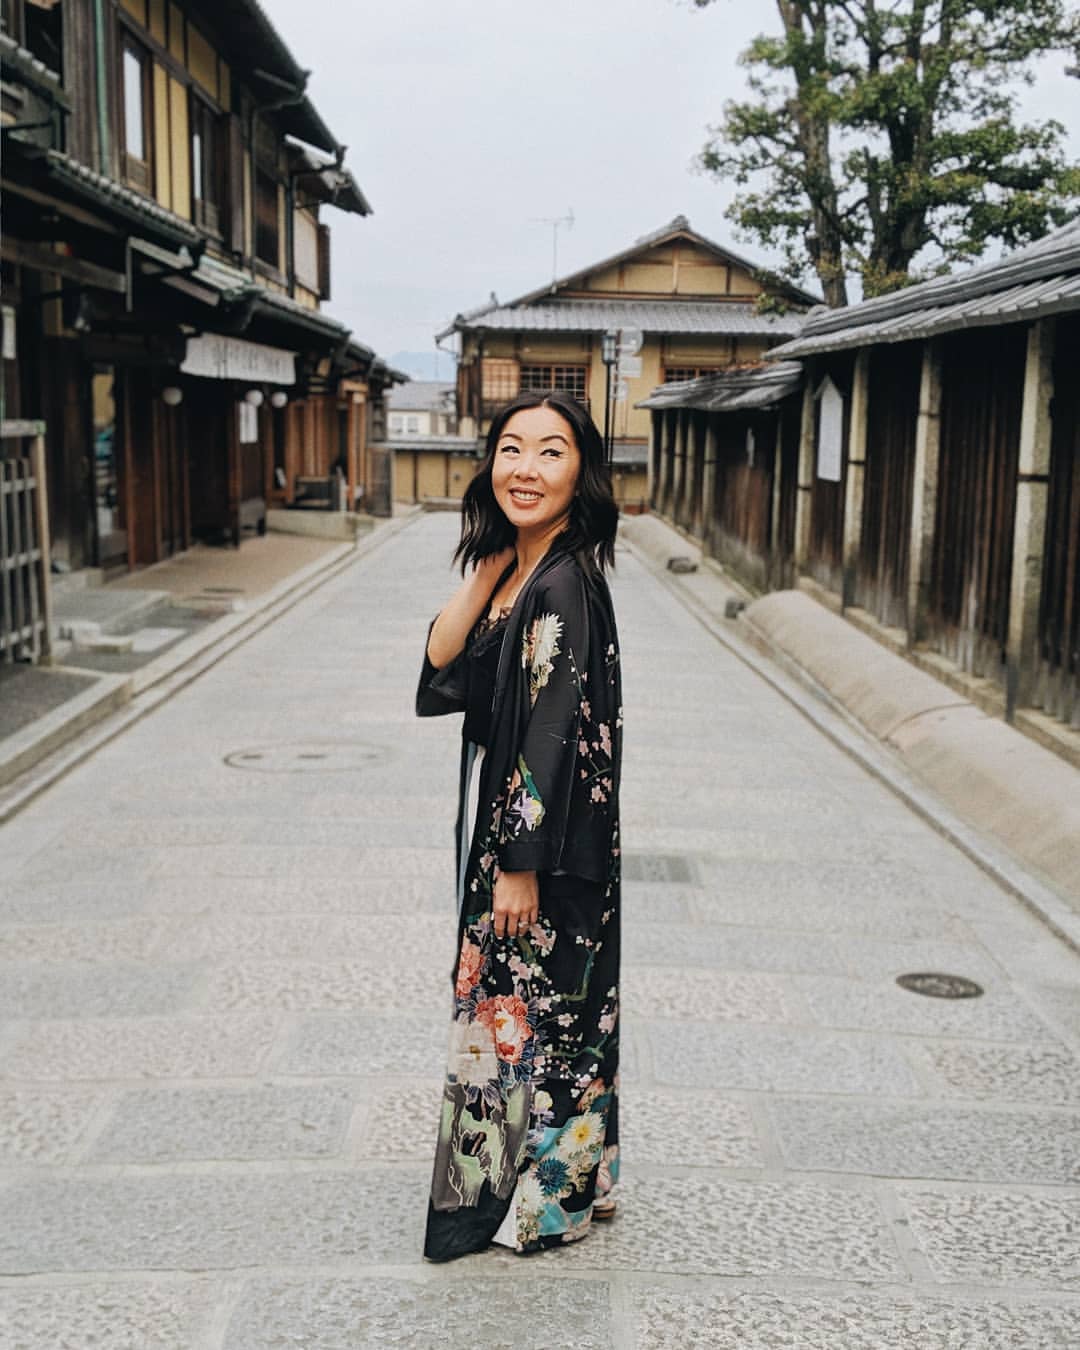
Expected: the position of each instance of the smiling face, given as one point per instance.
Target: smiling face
(535, 469)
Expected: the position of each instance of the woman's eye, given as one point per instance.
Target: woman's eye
(508, 449)
(553, 451)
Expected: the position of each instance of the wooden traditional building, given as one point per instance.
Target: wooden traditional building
(165, 261)
(694, 306)
(936, 482)
(721, 465)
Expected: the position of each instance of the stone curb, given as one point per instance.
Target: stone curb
(24, 748)
(52, 745)
(779, 668)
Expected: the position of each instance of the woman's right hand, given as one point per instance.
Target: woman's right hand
(494, 565)
(454, 624)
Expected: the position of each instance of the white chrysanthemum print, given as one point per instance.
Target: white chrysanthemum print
(539, 648)
(580, 1133)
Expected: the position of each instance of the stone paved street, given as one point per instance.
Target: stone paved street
(225, 941)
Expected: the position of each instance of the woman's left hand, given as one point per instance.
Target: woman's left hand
(517, 903)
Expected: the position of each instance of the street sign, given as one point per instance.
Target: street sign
(629, 367)
(630, 340)
(620, 391)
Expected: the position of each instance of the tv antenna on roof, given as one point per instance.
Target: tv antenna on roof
(555, 222)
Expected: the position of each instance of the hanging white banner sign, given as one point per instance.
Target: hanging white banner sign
(216, 357)
(830, 448)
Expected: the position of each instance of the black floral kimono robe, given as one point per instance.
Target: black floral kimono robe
(528, 1135)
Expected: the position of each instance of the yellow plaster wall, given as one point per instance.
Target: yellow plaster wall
(162, 163)
(674, 269)
(136, 8)
(430, 474)
(224, 86)
(309, 299)
(202, 61)
(176, 32)
(180, 142)
(157, 20)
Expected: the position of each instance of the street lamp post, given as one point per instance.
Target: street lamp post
(609, 354)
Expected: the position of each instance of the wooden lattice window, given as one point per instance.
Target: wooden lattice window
(499, 379)
(572, 380)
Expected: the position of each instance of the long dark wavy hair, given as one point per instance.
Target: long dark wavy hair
(594, 516)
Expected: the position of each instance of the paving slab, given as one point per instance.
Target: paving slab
(997, 1236)
(903, 1140)
(192, 1123)
(665, 1319)
(110, 1316)
(202, 1223)
(345, 1314)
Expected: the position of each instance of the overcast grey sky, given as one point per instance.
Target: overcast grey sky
(468, 121)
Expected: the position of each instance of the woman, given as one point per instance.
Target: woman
(528, 1137)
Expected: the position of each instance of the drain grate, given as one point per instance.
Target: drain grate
(935, 985)
(656, 867)
(307, 757)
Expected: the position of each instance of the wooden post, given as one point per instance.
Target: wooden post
(363, 465)
(856, 474)
(350, 453)
(924, 492)
(656, 442)
(232, 471)
(777, 491)
(41, 523)
(1029, 529)
(679, 466)
(708, 483)
(805, 482)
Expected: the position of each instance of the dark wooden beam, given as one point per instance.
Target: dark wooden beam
(45, 259)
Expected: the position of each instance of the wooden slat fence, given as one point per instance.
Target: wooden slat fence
(25, 595)
(892, 418)
(983, 386)
(1057, 683)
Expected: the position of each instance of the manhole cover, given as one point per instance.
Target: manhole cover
(935, 985)
(307, 757)
(656, 867)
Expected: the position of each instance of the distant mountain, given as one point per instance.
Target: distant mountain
(425, 365)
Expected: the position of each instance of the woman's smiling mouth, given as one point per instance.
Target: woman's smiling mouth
(525, 496)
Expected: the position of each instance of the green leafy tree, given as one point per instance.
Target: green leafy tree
(878, 129)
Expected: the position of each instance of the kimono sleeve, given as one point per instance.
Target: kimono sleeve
(553, 657)
(441, 691)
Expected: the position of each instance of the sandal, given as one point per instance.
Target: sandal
(604, 1210)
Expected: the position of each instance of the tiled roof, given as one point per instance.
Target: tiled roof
(730, 390)
(652, 316)
(1039, 279)
(126, 201)
(422, 396)
(27, 67)
(462, 445)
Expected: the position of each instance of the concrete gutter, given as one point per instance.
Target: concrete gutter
(1008, 803)
(40, 754)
